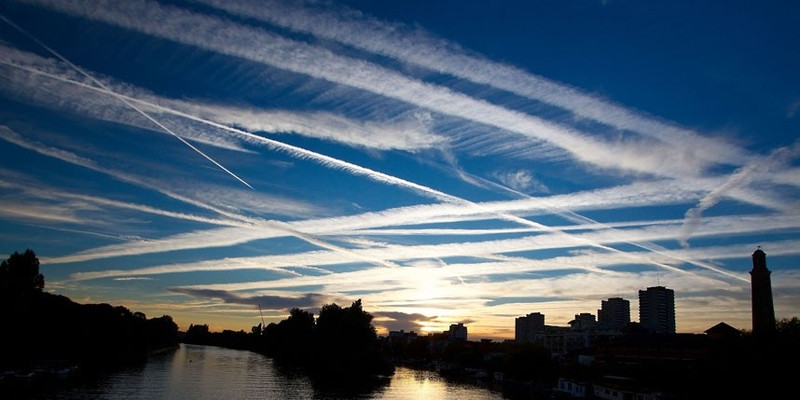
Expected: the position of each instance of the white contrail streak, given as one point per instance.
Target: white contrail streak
(372, 174)
(13, 137)
(740, 177)
(214, 34)
(121, 98)
(379, 176)
(50, 193)
(294, 151)
(419, 48)
(651, 247)
(588, 262)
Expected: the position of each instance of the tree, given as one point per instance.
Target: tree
(19, 274)
(345, 342)
(341, 342)
(789, 327)
(256, 330)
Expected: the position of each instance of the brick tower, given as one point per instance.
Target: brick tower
(761, 296)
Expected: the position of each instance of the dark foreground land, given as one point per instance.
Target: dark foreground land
(51, 336)
(48, 334)
(633, 364)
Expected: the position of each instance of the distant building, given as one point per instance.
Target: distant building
(457, 332)
(558, 339)
(657, 309)
(401, 336)
(722, 331)
(527, 326)
(614, 313)
(583, 321)
(763, 312)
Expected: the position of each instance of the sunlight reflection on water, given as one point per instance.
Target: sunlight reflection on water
(205, 372)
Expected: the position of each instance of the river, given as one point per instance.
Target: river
(207, 372)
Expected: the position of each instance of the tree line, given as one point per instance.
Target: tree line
(339, 343)
(40, 327)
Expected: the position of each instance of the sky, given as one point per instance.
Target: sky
(465, 161)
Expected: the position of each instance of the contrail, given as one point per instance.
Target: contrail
(375, 175)
(12, 137)
(575, 217)
(651, 247)
(50, 193)
(419, 48)
(294, 151)
(220, 36)
(588, 262)
(740, 177)
(121, 98)
(359, 170)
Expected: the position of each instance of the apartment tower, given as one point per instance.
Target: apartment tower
(526, 327)
(614, 313)
(657, 309)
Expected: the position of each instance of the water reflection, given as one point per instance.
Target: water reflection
(205, 372)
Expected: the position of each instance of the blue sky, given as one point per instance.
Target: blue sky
(444, 161)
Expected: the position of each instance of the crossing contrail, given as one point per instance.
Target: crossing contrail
(121, 98)
(325, 160)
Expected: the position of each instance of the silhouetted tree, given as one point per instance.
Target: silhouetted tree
(346, 342)
(162, 332)
(39, 326)
(290, 340)
(197, 334)
(340, 341)
(19, 274)
(789, 327)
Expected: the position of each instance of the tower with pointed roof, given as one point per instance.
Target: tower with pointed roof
(763, 311)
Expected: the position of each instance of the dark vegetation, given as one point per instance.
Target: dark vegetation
(40, 328)
(340, 343)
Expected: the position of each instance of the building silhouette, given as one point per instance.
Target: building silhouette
(763, 312)
(527, 326)
(614, 313)
(457, 332)
(583, 321)
(657, 309)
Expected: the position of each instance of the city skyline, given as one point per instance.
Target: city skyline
(225, 161)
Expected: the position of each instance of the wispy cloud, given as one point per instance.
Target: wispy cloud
(405, 134)
(522, 181)
(643, 155)
(129, 104)
(11, 136)
(743, 176)
(133, 278)
(414, 46)
(480, 249)
(48, 83)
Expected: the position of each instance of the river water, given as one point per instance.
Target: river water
(207, 372)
